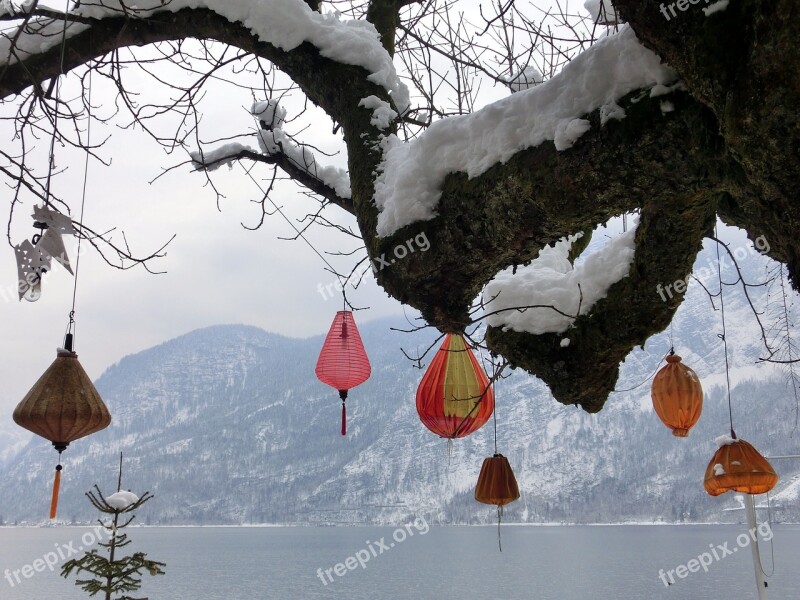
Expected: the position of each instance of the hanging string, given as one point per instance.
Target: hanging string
(71, 326)
(499, 519)
(292, 225)
(494, 419)
(771, 545)
(671, 341)
(57, 87)
(723, 336)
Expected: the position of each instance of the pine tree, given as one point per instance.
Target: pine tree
(113, 575)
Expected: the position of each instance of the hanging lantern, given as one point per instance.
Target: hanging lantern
(496, 482)
(454, 397)
(62, 406)
(738, 467)
(677, 396)
(343, 362)
(497, 485)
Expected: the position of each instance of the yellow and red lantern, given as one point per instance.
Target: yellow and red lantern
(454, 398)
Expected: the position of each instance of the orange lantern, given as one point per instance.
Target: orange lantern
(677, 396)
(738, 467)
(62, 406)
(496, 482)
(454, 397)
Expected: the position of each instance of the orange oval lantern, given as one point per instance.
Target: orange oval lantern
(496, 482)
(62, 406)
(454, 398)
(343, 362)
(677, 396)
(738, 467)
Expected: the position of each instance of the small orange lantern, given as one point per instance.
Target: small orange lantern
(496, 482)
(677, 396)
(454, 398)
(62, 406)
(497, 485)
(738, 467)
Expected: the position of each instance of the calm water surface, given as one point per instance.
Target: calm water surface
(542, 563)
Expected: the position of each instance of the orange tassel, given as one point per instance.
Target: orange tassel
(56, 487)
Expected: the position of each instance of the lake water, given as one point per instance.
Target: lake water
(421, 562)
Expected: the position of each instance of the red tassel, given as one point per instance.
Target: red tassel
(344, 419)
(56, 488)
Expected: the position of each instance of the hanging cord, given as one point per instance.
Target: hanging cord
(499, 520)
(723, 337)
(71, 328)
(57, 87)
(83, 197)
(649, 377)
(671, 340)
(771, 545)
(297, 231)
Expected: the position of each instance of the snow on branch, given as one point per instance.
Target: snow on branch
(551, 280)
(285, 24)
(409, 187)
(279, 149)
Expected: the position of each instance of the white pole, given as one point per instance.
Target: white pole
(750, 509)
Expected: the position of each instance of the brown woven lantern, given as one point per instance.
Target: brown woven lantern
(496, 482)
(738, 467)
(62, 406)
(677, 396)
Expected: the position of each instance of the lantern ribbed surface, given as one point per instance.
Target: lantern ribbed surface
(454, 398)
(739, 467)
(63, 405)
(496, 482)
(343, 362)
(677, 396)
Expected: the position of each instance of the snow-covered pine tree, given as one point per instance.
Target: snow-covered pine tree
(112, 574)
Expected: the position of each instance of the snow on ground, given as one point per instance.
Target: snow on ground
(551, 280)
(409, 185)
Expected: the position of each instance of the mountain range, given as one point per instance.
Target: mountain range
(229, 425)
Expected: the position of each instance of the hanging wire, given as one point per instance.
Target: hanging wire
(57, 87)
(292, 225)
(671, 341)
(771, 545)
(723, 337)
(499, 519)
(71, 328)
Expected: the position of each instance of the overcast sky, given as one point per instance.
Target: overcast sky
(216, 272)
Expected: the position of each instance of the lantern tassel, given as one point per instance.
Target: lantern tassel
(343, 396)
(56, 488)
(499, 519)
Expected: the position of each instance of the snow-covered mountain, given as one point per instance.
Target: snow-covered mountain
(229, 425)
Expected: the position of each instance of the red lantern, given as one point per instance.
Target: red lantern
(343, 362)
(454, 397)
(62, 406)
(677, 396)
